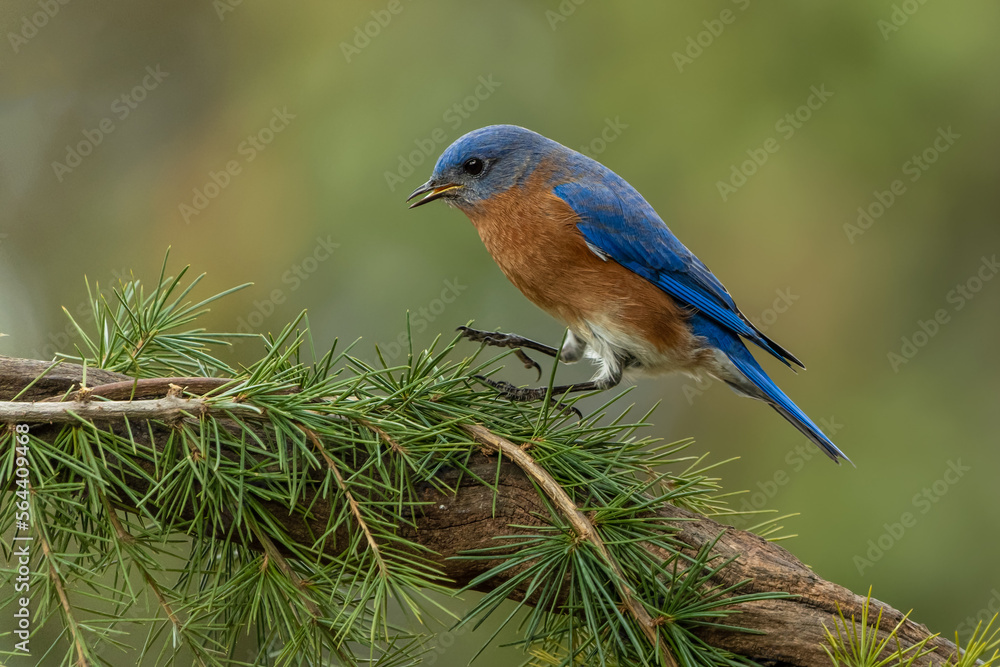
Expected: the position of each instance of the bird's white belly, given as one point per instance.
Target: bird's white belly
(614, 348)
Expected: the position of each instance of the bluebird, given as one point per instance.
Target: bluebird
(584, 245)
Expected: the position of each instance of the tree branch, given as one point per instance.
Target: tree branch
(456, 522)
(581, 524)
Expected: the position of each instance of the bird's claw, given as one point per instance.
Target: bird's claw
(498, 339)
(528, 362)
(492, 338)
(526, 394)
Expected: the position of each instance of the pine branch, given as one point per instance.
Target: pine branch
(138, 388)
(79, 646)
(313, 499)
(352, 503)
(126, 539)
(171, 406)
(461, 515)
(584, 529)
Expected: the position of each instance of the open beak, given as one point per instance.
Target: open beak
(432, 191)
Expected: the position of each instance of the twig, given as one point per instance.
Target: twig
(272, 552)
(81, 658)
(126, 537)
(388, 439)
(160, 408)
(131, 390)
(581, 524)
(351, 502)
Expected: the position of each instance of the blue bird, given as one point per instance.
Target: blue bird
(584, 245)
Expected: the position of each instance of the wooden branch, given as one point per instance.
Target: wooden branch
(133, 389)
(581, 524)
(169, 407)
(468, 519)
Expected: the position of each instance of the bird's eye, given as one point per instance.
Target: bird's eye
(473, 166)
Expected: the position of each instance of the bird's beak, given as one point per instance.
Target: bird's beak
(432, 191)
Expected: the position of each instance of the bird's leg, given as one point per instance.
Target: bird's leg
(525, 394)
(572, 350)
(498, 339)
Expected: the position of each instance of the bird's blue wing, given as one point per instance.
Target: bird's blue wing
(615, 219)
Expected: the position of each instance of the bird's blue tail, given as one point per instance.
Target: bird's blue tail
(755, 383)
(777, 399)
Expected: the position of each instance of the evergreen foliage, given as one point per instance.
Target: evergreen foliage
(158, 538)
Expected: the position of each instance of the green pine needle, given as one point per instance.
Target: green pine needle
(982, 641)
(855, 643)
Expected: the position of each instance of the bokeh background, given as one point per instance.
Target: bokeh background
(328, 114)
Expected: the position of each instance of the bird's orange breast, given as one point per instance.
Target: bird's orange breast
(532, 235)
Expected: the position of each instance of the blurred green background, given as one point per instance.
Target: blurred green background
(118, 122)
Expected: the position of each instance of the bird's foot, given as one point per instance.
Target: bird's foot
(526, 394)
(513, 341)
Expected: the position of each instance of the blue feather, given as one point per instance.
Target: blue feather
(740, 356)
(616, 219)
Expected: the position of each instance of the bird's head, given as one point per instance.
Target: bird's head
(484, 163)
